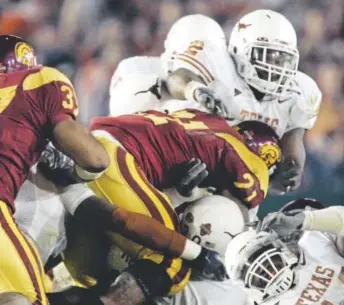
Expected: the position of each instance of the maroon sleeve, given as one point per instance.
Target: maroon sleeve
(247, 174)
(61, 102)
(54, 94)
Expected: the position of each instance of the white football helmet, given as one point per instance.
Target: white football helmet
(261, 264)
(188, 29)
(264, 45)
(212, 222)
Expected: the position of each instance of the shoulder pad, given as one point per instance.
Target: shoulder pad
(44, 76)
(138, 64)
(204, 59)
(310, 94)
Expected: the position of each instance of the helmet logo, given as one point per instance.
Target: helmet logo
(243, 26)
(270, 153)
(189, 218)
(205, 229)
(24, 54)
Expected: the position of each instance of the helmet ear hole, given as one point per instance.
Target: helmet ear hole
(235, 50)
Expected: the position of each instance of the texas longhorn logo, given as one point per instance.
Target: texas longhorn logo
(25, 54)
(270, 153)
(243, 26)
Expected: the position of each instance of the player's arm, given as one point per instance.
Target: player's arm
(189, 72)
(76, 141)
(58, 105)
(192, 73)
(182, 84)
(303, 115)
(328, 220)
(247, 174)
(93, 211)
(294, 157)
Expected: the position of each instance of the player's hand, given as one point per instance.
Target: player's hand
(187, 177)
(210, 265)
(283, 223)
(206, 97)
(57, 167)
(54, 158)
(287, 179)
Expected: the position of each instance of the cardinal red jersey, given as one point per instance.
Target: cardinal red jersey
(32, 102)
(159, 142)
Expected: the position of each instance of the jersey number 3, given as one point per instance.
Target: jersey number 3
(70, 101)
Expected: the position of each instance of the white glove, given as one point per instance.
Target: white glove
(283, 223)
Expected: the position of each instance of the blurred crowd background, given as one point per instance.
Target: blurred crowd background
(87, 38)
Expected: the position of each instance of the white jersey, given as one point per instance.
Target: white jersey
(197, 292)
(217, 68)
(40, 214)
(205, 292)
(320, 280)
(136, 86)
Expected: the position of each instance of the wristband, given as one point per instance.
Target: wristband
(86, 175)
(189, 91)
(191, 250)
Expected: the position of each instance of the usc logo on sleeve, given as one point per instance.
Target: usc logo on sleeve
(25, 54)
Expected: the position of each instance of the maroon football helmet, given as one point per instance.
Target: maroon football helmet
(15, 54)
(263, 141)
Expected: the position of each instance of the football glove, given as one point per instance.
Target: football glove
(206, 97)
(287, 178)
(186, 178)
(210, 265)
(283, 223)
(57, 167)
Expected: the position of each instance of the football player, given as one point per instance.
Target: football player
(256, 78)
(200, 222)
(137, 83)
(310, 271)
(37, 103)
(140, 170)
(40, 214)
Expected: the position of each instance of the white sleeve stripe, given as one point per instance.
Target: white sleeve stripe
(205, 73)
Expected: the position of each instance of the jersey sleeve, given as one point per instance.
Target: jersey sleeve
(54, 94)
(304, 111)
(248, 176)
(138, 92)
(202, 58)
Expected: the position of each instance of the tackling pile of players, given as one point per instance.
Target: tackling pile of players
(201, 134)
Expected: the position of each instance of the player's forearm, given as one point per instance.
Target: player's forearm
(77, 142)
(91, 210)
(293, 149)
(151, 233)
(329, 220)
(178, 83)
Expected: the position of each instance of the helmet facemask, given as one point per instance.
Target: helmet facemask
(270, 68)
(266, 267)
